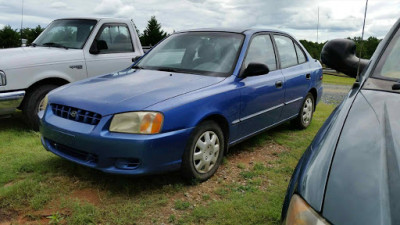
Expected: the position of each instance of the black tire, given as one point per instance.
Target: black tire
(300, 122)
(188, 169)
(31, 103)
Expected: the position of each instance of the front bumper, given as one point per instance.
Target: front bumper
(9, 101)
(94, 146)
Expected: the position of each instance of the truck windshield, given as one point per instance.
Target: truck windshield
(68, 33)
(204, 53)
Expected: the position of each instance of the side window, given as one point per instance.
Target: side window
(261, 50)
(300, 54)
(286, 50)
(117, 37)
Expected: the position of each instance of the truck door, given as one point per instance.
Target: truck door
(117, 53)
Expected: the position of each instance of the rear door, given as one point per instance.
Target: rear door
(263, 95)
(119, 53)
(297, 74)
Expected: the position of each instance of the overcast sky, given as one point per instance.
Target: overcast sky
(338, 18)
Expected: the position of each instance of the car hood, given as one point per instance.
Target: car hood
(364, 182)
(13, 58)
(128, 90)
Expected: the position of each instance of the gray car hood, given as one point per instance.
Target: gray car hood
(364, 182)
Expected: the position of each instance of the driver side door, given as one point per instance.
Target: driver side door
(262, 96)
(119, 53)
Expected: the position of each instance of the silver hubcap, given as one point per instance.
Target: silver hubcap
(307, 111)
(206, 151)
(41, 105)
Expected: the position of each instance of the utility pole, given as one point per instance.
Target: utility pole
(318, 25)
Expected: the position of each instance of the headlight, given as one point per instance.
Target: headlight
(3, 79)
(137, 123)
(300, 212)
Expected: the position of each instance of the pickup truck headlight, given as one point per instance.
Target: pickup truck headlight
(3, 79)
(300, 212)
(137, 122)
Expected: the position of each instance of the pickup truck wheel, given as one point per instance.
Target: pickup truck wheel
(33, 103)
(204, 152)
(303, 120)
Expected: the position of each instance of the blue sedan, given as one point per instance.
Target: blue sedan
(182, 105)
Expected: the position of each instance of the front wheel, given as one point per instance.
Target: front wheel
(204, 152)
(303, 120)
(34, 102)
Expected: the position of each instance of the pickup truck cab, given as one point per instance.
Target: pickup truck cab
(67, 50)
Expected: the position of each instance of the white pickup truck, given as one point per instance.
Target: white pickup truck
(68, 50)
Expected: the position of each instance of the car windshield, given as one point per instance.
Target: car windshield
(389, 67)
(204, 53)
(70, 33)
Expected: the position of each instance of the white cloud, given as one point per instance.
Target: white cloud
(59, 5)
(338, 18)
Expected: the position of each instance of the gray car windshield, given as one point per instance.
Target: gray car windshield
(69, 33)
(389, 67)
(205, 53)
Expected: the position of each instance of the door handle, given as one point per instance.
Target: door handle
(308, 76)
(279, 84)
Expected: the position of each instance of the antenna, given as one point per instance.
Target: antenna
(318, 25)
(362, 39)
(22, 17)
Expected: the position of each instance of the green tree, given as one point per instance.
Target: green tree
(31, 33)
(313, 48)
(368, 46)
(9, 38)
(153, 33)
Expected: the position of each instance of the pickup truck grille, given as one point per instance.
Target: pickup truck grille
(75, 114)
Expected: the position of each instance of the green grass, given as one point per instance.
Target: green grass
(330, 79)
(33, 180)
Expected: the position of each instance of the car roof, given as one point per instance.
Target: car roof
(248, 31)
(92, 18)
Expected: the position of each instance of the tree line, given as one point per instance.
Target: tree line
(366, 50)
(153, 33)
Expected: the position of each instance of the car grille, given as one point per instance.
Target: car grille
(75, 114)
(83, 156)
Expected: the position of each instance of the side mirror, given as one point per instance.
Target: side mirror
(97, 46)
(340, 54)
(136, 58)
(255, 69)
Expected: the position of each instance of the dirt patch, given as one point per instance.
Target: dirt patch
(7, 215)
(89, 195)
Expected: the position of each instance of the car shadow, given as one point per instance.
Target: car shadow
(14, 122)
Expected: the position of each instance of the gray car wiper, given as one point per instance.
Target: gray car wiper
(52, 44)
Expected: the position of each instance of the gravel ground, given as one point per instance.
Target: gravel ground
(334, 94)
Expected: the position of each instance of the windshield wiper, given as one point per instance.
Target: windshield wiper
(52, 44)
(137, 67)
(166, 69)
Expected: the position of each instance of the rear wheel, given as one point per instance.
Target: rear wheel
(204, 152)
(34, 102)
(303, 120)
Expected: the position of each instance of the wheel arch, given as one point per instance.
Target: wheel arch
(51, 80)
(222, 123)
(314, 92)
